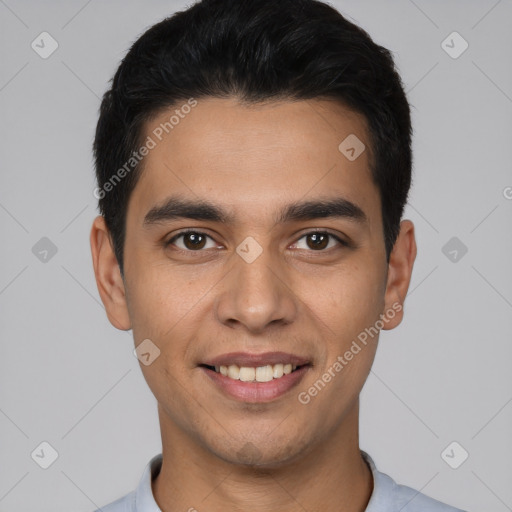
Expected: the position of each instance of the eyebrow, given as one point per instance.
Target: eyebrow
(179, 208)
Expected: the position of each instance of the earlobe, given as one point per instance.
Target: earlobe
(400, 267)
(108, 276)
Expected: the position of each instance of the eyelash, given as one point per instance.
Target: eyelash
(342, 242)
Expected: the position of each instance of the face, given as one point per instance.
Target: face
(283, 267)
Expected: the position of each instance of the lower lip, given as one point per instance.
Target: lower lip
(255, 392)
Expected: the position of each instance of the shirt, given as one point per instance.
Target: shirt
(387, 496)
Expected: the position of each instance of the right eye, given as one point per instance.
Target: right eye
(193, 241)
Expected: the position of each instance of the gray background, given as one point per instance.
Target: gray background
(70, 379)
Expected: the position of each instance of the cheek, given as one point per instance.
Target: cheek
(349, 301)
(160, 297)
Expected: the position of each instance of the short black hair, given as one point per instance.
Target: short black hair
(255, 51)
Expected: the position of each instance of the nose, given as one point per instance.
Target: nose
(256, 295)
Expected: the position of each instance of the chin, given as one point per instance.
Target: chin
(260, 453)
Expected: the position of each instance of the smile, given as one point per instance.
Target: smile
(259, 374)
(251, 377)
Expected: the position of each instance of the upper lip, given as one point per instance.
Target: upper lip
(254, 360)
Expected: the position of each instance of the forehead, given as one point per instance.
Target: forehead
(257, 155)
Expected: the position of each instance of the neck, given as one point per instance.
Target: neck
(331, 476)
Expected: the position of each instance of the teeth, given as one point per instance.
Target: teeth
(247, 374)
(233, 372)
(259, 374)
(278, 371)
(264, 373)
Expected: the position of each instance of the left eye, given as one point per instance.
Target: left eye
(196, 240)
(319, 240)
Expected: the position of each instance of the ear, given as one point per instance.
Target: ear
(108, 275)
(400, 266)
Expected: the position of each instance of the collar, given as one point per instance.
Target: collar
(383, 486)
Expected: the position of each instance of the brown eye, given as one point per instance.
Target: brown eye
(320, 240)
(192, 240)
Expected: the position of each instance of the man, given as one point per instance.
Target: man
(253, 161)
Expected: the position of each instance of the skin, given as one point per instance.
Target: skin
(220, 453)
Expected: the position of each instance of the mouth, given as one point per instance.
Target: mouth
(256, 377)
(265, 373)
